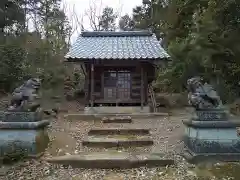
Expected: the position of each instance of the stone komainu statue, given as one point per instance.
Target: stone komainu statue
(24, 97)
(202, 95)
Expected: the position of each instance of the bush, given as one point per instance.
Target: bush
(172, 100)
(235, 107)
(12, 67)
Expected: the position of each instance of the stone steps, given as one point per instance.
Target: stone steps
(117, 141)
(81, 116)
(116, 159)
(115, 147)
(119, 131)
(117, 119)
(131, 149)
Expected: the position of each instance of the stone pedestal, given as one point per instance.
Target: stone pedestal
(212, 134)
(21, 116)
(22, 134)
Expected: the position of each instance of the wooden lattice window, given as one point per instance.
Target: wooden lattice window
(117, 84)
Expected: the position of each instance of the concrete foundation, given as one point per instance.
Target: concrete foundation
(116, 110)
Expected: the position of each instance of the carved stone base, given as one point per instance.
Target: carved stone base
(210, 115)
(21, 116)
(196, 158)
(212, 124)
(23, 139)
(212, 140)
(22, 143)
(213, 144)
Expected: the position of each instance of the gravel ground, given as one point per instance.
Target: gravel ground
(66, 137)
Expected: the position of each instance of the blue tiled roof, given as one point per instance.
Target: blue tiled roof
(117, 45)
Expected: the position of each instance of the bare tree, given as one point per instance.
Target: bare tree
(75, 21)
(78, 21)
(102, 17)
(92, 17)
(33, 16)
(94, 14)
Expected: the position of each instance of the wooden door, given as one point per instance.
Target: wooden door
(123, 85)
(117, 85)
(110, 82)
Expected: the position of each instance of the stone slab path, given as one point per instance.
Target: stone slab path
(122, 131)
(117, 141)
(112, 160)
(117, 119)
(79, 116)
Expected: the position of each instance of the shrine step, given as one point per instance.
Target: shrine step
(120, 131)
(117, 119)
(117, 141)
(106, 160)
(86, 117)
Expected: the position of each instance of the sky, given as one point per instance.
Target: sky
(79, 8)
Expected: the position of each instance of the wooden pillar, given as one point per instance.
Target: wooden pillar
(86, 88)
(142, 87)
(145, 87)
(92, 83)
(102, 84)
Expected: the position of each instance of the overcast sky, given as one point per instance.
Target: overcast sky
(81, 6)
